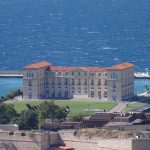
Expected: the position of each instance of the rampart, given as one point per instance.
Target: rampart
(47, 140)
(27, 140)
(95, 143)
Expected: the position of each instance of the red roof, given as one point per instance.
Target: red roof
(90, 69)
(37, 65)
(95, 69)
(62, 69)
(122, 66)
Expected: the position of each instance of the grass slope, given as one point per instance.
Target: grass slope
(75, 106)
(133, 105)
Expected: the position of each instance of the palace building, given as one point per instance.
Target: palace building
(42, 80)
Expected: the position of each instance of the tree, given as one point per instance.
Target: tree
(7, 113)
(28, 120)
(48, 110)
(77, 117)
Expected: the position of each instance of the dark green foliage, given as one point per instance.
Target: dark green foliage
(48, 110)
(28, 120)
(77, 117)
(11, 95)
(7, 113)
(32, 117)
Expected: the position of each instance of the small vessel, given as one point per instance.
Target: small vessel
(143, 75)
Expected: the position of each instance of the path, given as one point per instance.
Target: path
(119, 107)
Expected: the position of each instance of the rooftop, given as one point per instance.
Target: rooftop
(124, 65)
(38, 65)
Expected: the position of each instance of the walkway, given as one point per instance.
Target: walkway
(119, 107)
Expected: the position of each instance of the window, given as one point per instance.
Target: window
(72, 81)
(30, 83)
(92, 82)
(79, 90)
(105, 83)
(79, 82)
(59, 93)
(99, 81)
(85, 88)
(114, 75)
(85, 73)
(53, 94)
(73, 73)
(85, 82)
(30, 95)
(66, 73)
(92, 73)
(59, 82)
(66, 82)
(85, 92)
(99, 94)
(92, 93)
(114, 84)
(105, 94)
(73, 92)
(114, 97)
(66, 93)
(79, 73)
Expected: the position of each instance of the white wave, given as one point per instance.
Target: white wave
(116, 59)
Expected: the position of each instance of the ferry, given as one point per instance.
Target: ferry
(142, 75)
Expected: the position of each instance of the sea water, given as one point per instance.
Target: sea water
(74, 32)
(10, 84)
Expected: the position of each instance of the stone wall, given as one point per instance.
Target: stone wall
(86, 143)
(27, 141)
(141, 144)
(46, 141)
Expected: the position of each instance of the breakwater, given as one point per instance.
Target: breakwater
(11, 74)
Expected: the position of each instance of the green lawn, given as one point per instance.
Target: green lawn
(75, 106)
(132, 106)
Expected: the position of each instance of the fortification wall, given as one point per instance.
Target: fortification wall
(27, 141)
(87, 143)
(140, 144)
(45, 141)
(115, 144)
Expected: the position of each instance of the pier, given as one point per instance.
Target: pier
(11, 74)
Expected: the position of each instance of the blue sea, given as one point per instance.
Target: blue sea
(73, 32)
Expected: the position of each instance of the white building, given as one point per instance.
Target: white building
(42, 80)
